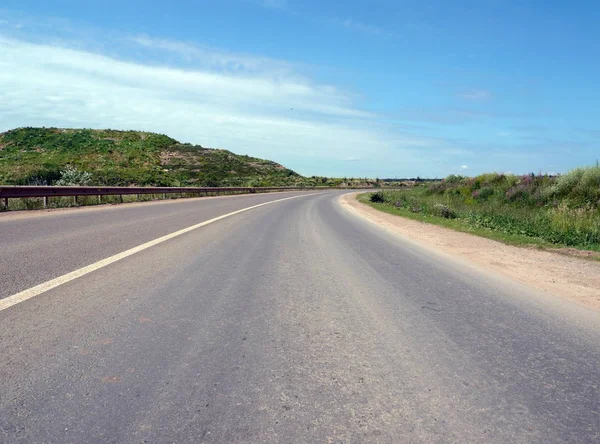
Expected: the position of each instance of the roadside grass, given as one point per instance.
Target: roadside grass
(458, 225)
(560, 210)
(553, 213)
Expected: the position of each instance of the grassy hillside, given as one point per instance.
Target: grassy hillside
(31, 156)
(561, 210)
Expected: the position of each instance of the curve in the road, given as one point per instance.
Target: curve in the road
(53, 283)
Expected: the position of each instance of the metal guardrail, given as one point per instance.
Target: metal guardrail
(11, 192)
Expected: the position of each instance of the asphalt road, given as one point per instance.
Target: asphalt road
(294, 322)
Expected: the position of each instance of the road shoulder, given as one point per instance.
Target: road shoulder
(566, 277)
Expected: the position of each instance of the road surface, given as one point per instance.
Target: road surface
(293, 322)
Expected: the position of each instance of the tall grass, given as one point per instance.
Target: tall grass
(563, 210)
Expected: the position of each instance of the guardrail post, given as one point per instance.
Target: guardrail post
(45, 201)
(5, 204)
(75, 200)
(99, 199)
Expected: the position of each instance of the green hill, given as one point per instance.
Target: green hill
(36, 156)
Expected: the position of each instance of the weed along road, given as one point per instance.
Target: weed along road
(294, 321)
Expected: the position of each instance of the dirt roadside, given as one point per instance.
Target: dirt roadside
(570, 278)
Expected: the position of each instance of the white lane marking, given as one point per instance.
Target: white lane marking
(53, 283)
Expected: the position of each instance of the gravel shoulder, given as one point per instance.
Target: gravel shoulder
(570, 278)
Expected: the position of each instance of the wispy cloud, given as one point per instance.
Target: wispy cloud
(464, 167)
(11, 24)
(213, 58)
(358, 26)
(243, 102)
(43, 85)
(273, 4)
(476, 95)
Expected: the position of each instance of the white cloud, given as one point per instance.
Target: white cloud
(364, 28)
(476, 95)
(263, 108)
(46, 64)
(464, 167)
(215, 59)
(43, 85)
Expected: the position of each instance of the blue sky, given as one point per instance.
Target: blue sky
(339, 88)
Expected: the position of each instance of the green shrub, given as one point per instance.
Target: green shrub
(377, 197)
(567, 182)
(443, 210)
(71, 176)
(590, 180)
(484, 193)
(453, 179)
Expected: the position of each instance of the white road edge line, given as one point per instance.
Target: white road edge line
(53, 283)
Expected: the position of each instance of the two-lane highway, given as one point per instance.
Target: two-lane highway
(40, 246)
(295, 321)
